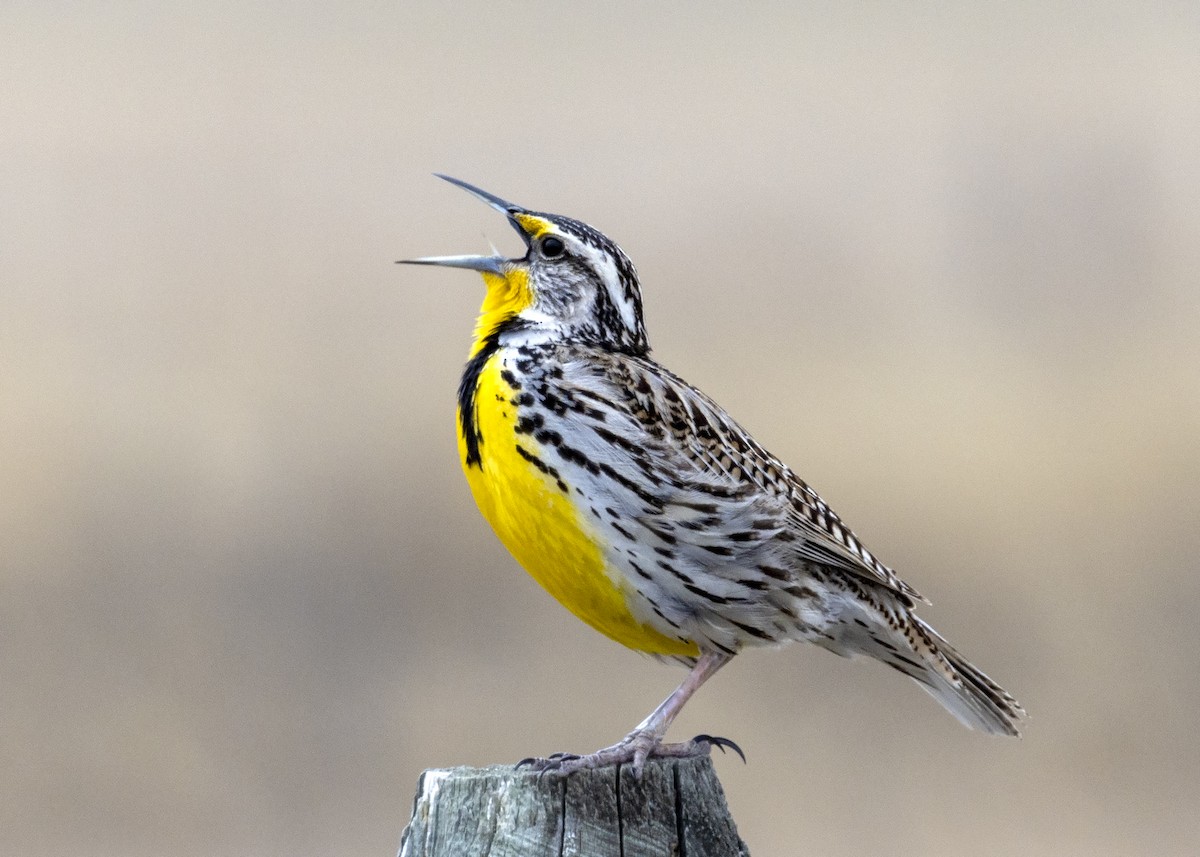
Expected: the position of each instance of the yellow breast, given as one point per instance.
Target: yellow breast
(541, 526)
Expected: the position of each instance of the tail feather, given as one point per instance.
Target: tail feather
(962, 689)
(893, 634)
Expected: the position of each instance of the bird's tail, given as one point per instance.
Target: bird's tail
(973, 698)
(893, 634)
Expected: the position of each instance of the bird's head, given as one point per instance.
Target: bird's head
(572, 285)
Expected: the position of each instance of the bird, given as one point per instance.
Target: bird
(646, 510)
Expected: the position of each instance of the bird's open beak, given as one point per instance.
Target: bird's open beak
(486, 264)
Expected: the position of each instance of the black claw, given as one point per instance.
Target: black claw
(721, 744)
(551, 766)
(549, 763)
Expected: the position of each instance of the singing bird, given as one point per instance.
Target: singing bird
(646, 510)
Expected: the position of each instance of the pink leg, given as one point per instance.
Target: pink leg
(661, 718)
(647, 737)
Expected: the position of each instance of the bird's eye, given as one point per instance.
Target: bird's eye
(552, 247)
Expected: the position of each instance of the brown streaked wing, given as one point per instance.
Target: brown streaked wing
(703, 439)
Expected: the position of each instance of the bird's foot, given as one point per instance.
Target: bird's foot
(701, 745)
(634, 748)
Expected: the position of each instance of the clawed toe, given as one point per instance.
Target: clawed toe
(567, 763)
(720, 743)
(549, 763)
(701, 745)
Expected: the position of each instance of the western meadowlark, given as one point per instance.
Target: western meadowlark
(646, 510)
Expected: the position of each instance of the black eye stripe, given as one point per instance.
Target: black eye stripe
(552, 247)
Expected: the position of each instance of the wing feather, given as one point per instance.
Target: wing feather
(722, 476)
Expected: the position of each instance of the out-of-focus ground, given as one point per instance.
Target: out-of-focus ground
(943, 261)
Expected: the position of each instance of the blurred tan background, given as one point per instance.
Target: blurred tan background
(944, 261)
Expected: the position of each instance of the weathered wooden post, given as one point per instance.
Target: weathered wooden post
(676, 807)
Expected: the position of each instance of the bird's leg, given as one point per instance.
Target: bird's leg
(646, 738)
